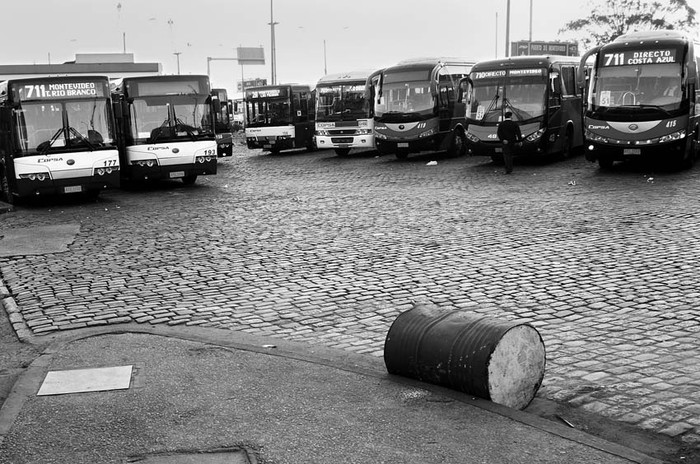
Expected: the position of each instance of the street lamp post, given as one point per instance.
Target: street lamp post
(273, 58)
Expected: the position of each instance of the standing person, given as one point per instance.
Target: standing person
(511, 138)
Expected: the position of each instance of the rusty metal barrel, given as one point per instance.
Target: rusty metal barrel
(498, 360)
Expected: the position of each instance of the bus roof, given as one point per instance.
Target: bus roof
(651, 35)
(280, 86)
(426, 61)
(357, 75)
(528, 61)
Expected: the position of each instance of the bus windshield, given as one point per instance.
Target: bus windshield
(340, 102)
(162, 117)
(651, 87)
(524, 96)
(274, 111)
(42, 126)
(405, 92)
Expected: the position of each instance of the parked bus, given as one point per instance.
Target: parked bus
(541, 93)
(57, 136)
(416, 107)
(165, 128)
(238, 114)
(279, 117)
(343, 112)
(222, 123)
(641, 97)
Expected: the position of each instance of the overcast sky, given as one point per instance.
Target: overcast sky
(358, 34)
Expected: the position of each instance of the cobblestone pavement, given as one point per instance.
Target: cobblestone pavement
(327, 250)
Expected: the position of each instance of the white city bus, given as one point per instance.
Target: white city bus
(344, 116)
(166, 127)
(57, 137)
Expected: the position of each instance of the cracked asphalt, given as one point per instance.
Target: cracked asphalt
(328, 251)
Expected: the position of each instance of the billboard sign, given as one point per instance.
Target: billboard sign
(526, 47)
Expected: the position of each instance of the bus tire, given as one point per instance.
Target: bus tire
(605, 163)
(189, 180)
(5, 193)
(458, 146)
(567, 146)
(342, 151)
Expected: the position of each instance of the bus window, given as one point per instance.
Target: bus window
(568, 79)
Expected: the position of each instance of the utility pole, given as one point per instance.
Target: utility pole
(508, 29)
(177, 54)
(325, 67)
(273, 58)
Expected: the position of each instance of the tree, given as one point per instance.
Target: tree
(610, 19)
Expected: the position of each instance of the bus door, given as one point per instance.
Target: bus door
(554, 96)
(303, 124)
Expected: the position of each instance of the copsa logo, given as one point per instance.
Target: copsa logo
(158, 148)
(595, 126)
(49, 160)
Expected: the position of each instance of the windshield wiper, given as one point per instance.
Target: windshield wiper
(643, 106)
(189, 129)
(493, 103)
(156, 133)
(44, 147)
(517, 112)
(80, 137)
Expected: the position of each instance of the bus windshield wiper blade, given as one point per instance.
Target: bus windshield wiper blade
(517, 112)
(81, 137)
(189, 129)
(155, 133)
(493, 103)
(44, 147)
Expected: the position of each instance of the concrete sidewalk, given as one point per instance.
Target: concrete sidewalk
(211, 396)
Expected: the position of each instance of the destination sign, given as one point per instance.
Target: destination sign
(266, 93)
(508, 72)
(634, 57)
(166, 87)
(60, 90)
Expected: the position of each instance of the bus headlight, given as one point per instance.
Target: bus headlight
(103, 171)
(322, 133)
(145, 163)
(590, 136)
(672, 137)
(40, 176)
(427, 133)
(471, 137)
(364, 131)
(535, 136)
(380, 136)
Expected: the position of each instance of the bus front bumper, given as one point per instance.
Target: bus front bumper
(176, 171)
(28, 187)
(595, 151)
(385, 146)
(271, 143)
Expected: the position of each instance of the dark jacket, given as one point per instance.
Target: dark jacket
(510, 131)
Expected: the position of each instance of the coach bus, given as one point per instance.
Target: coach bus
(57, 136)
(165, 127)
(343, 112)
(416, 107)
(641, 99)
(539, 91)
(279, 117)
(222, 122)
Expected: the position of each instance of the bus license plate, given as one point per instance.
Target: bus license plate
(499, 150)
(402, 144)
(177, 174)
(632, 151)
(267, 145)
(73, 189)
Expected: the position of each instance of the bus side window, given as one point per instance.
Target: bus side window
(568, 80)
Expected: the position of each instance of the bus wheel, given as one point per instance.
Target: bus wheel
(497, 159)
(458, 147)
(5, 190)
(189, 180)
(605, 163)
(567, 147)
(342, 151)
